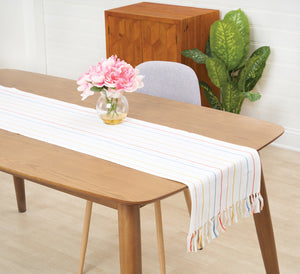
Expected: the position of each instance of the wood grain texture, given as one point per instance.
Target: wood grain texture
(46, 239)
(159, 32)
(159, 41)
(85, 234)
(265, 234)
(123, 39)
(129, 239)
(102, 181)
(160, 237)
(195, 35)
(165, 12)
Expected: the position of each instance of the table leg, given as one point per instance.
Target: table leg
(20, 193)
(130, 239)
(160, 238)
(85, 234)
(264, 230)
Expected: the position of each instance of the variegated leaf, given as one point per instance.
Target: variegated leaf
(231, 97)
(241, 21)
(210, 96)
(253, 69)
(217, 71)
(195, 54)
(225, 43)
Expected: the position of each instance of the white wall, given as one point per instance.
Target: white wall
(22, 35)
(12, 45)
(63, 37)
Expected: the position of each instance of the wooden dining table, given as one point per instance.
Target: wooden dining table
(120, 187)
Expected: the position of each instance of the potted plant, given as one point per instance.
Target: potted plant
(227, 62)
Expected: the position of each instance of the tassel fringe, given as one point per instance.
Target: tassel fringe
(211, 230)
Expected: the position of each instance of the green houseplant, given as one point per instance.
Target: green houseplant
(227, 62)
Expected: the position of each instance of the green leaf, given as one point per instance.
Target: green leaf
(238, 109)
(225, 43)
(251, 96)
(195, 54)
(210, 96)
(241, 21)
(97, 89)
(262, 51)
(207, 48)
(253, 69)
(217, 71)
(231, 97)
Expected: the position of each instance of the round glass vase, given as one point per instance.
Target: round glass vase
(112, 110)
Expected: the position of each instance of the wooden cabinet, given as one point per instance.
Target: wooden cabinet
(151, 31)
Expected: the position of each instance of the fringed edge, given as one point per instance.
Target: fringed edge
(211, 230)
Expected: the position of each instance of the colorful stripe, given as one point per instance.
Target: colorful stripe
(210, 168)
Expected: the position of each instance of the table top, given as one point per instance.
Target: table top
(102, 181)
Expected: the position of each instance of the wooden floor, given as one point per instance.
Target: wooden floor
(46, 239)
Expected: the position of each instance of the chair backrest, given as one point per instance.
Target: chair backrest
(170, 80)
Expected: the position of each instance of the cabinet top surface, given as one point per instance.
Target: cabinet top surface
(160, 10)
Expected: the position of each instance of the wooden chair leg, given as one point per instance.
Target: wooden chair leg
(188, 200)
(160, 237)
(264, 230)
(85, 234)
(20, 193)
(159, 230)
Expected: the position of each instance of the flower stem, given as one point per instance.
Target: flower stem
(113, 103)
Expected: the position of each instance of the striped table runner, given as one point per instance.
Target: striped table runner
(223, 179)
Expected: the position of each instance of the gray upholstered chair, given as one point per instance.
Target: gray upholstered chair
(169, 80)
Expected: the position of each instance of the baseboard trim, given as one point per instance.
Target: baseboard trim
(289, 140)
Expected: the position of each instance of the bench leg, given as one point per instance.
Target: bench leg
(20, 193)
(85, 234)
(264, 230)
(160, 237)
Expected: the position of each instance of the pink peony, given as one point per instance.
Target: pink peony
(112, 75)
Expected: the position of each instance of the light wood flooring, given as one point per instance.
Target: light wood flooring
(46, 239)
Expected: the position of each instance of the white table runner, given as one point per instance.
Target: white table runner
(223, 179)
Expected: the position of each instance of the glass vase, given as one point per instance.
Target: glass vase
(112, 110)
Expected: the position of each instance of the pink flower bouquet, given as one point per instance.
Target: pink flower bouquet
(112, 76)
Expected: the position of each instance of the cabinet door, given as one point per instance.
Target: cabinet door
(159, 41)
(124, 39)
